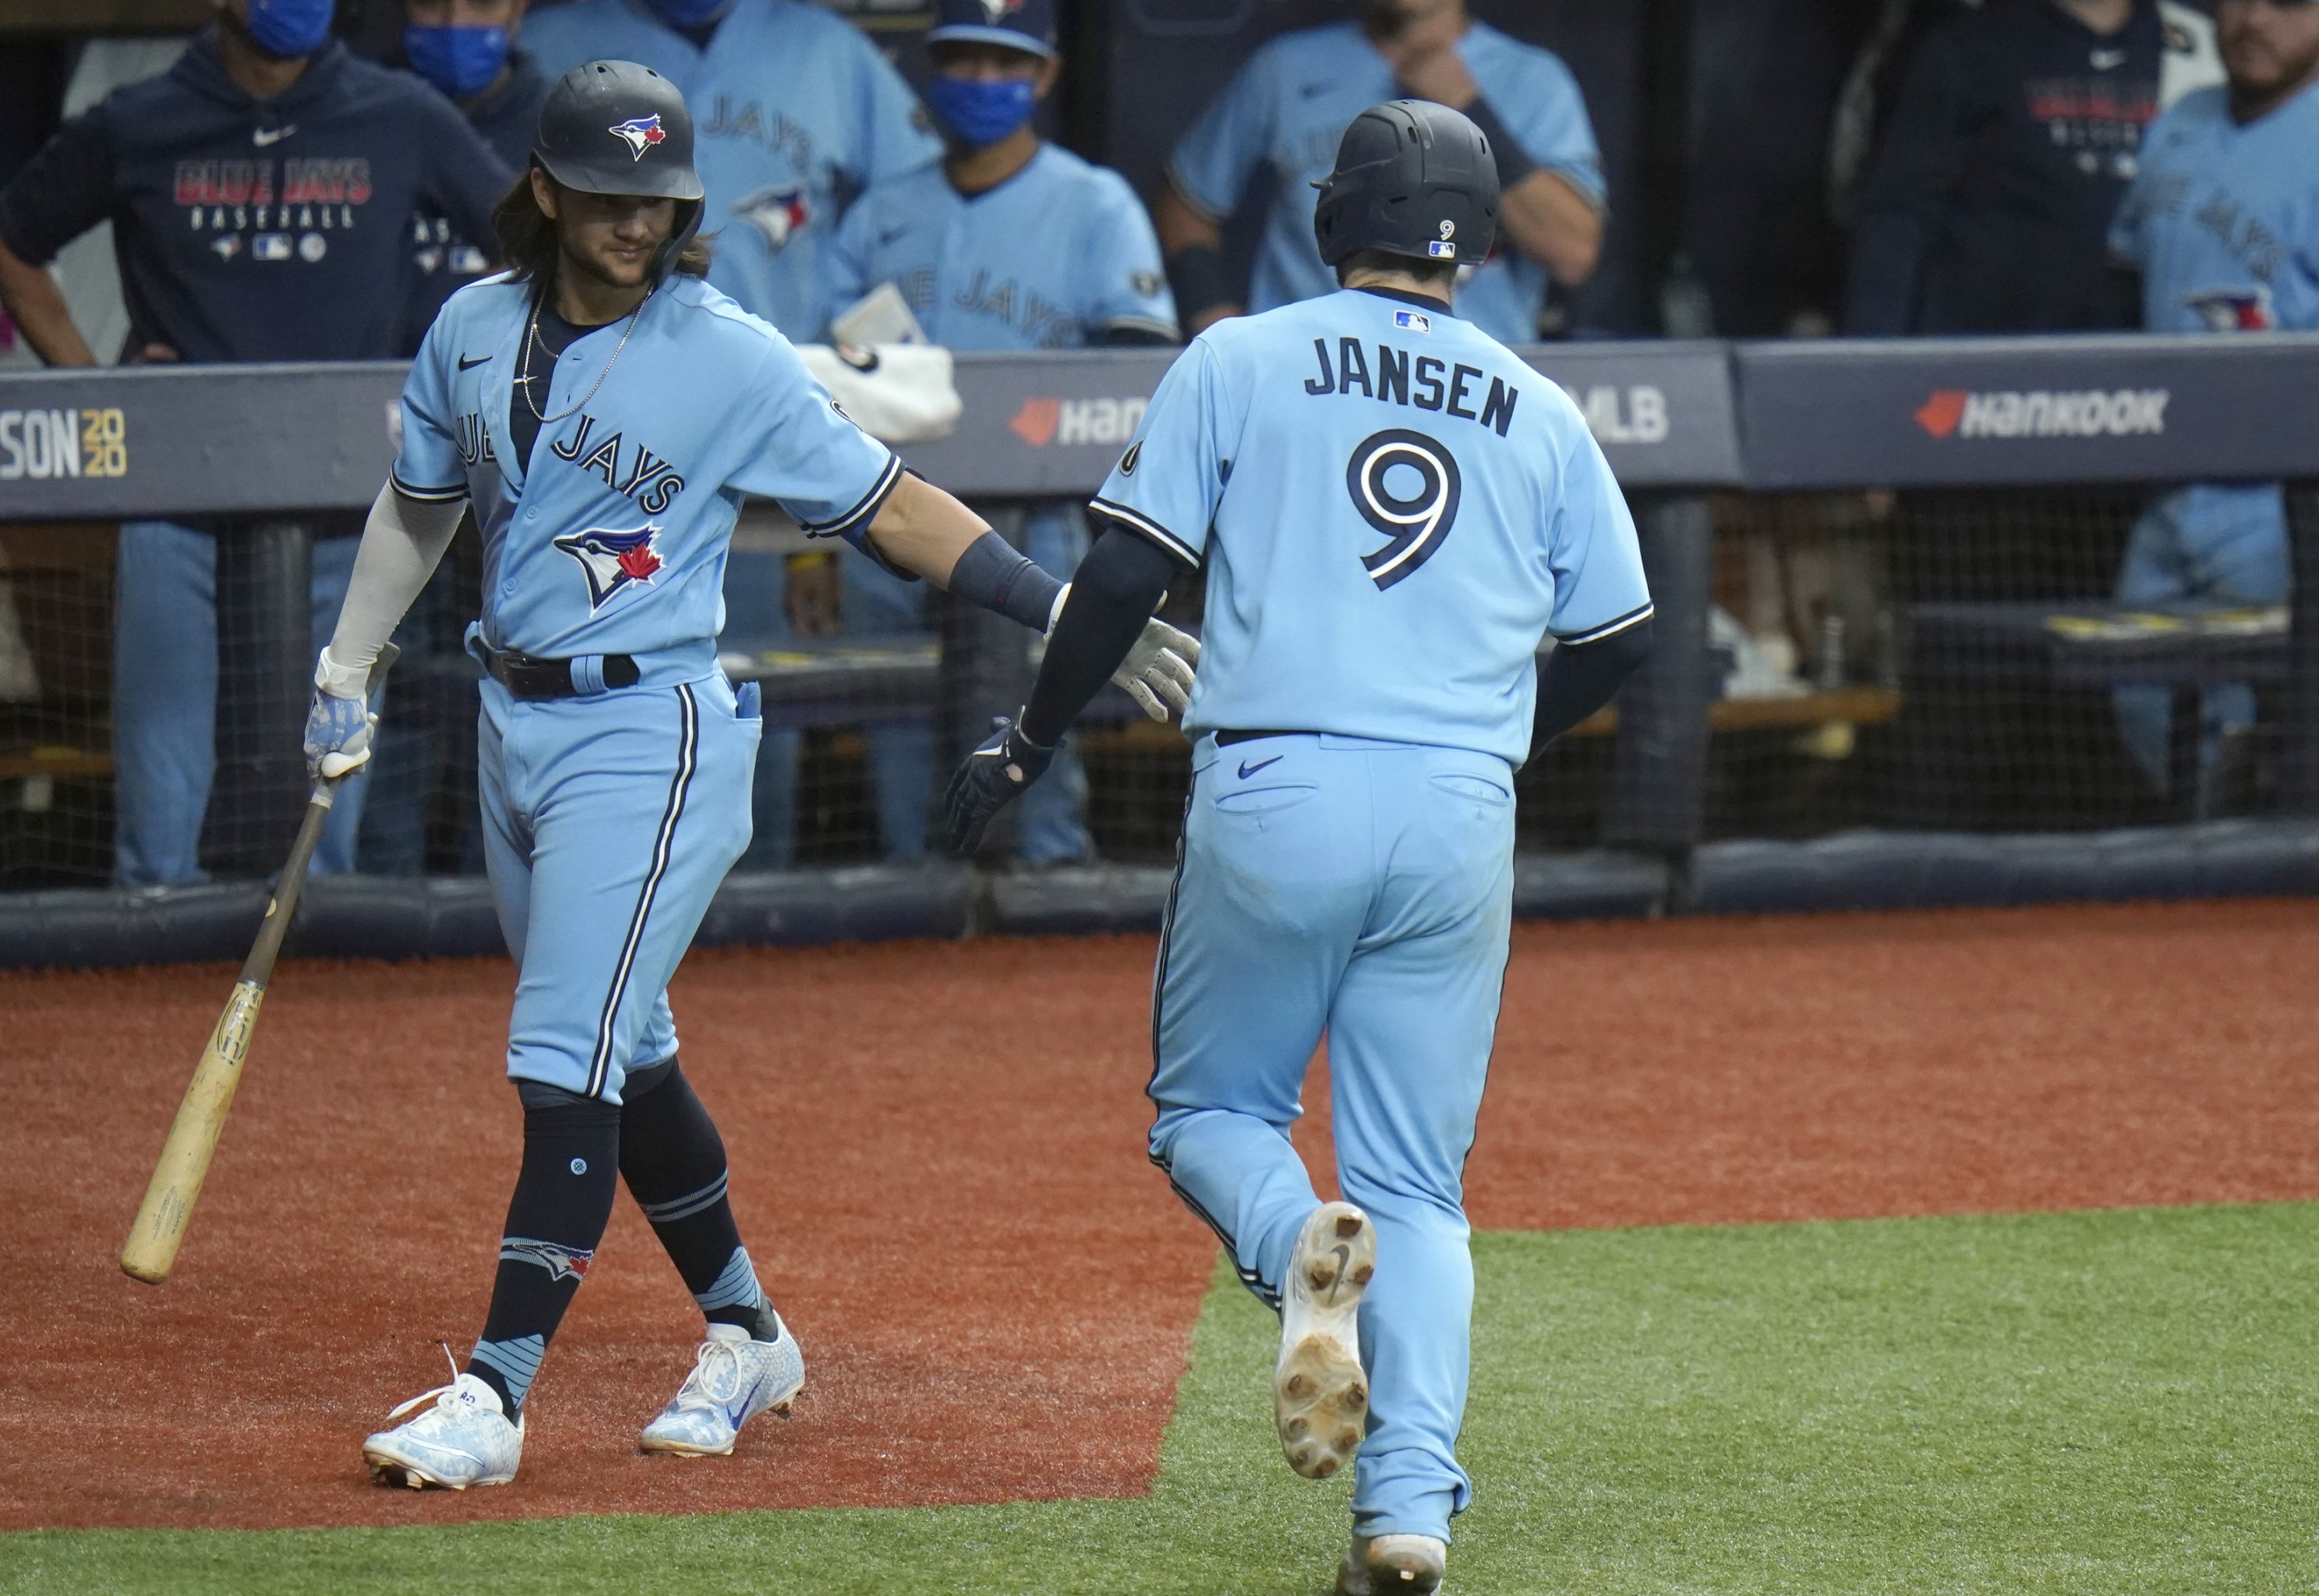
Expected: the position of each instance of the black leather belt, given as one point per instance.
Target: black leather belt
(528, 676)
(1226, 739)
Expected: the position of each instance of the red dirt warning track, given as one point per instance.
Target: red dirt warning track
(994, 1291)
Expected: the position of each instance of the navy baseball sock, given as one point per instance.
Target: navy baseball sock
(563, 1201)
(674, 1162)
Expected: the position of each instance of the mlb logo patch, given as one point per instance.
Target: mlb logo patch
(639, 133)
(613, 560)
(1441, 249)
(1413, 322)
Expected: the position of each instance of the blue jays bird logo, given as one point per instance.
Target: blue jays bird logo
(612, 560)
(2236, 310)
(779, 214)
(639, 133)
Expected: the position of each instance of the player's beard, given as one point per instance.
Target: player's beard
(587, 267)
(1384, 20)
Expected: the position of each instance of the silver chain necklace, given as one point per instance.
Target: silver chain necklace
(524, 378)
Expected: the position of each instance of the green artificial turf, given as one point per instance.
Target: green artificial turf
(2097, 1402)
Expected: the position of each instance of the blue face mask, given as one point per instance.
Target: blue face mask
(460, 62)
(687, 13)
(288, 29)
(980, 111)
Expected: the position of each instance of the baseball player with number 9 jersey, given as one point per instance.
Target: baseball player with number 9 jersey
(1392, 511)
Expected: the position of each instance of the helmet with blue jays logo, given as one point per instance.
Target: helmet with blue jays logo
(615, 127)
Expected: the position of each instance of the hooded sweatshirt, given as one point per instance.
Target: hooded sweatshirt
(252, 229)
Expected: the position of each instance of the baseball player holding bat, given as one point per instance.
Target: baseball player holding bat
(1392, 511)
(604, 410)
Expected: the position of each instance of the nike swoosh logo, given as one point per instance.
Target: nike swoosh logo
(889, 236)
(1344, 1255)
(1311, 89)
(2106, 60)
(262, 137)
(1246, 770)
(467, 364)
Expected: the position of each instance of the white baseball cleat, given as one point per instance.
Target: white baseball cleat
(1319, 1393)
(1387, 1563)
(734, 1379)
(464, 1440)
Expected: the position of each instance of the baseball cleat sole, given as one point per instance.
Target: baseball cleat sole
(660, 1448)
(386, 1469)
(1393, 1565)
(1319, 1391)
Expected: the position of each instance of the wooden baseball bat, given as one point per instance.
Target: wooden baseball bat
(168, 1206)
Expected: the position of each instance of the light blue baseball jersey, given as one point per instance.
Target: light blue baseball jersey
(2223, 219)
(1054, 256)
(611, 538)
(794, 113)
(1291, 104)
(1392, 511)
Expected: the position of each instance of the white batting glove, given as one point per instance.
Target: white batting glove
(1158, 670)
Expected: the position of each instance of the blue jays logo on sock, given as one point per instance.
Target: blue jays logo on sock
(779, 214)
(640, 133)
(561, 1262)
(612, 560)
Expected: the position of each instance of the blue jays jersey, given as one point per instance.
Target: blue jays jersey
(1056, 255)
(611, 537)
(794, 113)
(2223, 219)
(1393, 509)
(1291, 104)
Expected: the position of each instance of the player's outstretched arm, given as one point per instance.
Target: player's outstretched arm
(1119, 584)
(402, 543)
(925, 531)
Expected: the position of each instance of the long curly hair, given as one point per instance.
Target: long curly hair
(528, 245)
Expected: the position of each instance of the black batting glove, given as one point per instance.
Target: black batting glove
(991, 775)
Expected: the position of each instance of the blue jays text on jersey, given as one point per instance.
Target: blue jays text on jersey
(1055, 257)
(1424, 509)
(2223, 219)
(259, 229)
(611, 538)
(1288, 108)
(795, 113)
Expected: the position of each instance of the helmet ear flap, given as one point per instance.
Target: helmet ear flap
(688, 214)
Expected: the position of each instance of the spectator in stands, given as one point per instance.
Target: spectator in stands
(468, 49)
(261, 194)
(2223, 224)
(2015, 131)
(798, 113)
(1009, 244)
(1290, 102)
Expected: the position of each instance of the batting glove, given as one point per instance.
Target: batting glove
(991, 777)
(339, 726)
(1157, 670)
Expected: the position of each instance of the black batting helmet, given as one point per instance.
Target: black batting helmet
(614, 127)
(1412, 178)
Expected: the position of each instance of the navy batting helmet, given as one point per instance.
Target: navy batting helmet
(1412, 178)
(614, 127)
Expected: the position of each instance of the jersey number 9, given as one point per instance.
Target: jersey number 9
(1405, 485)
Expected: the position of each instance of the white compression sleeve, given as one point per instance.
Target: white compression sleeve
(401, 544)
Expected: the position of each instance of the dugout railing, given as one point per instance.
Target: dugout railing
(1933, 740)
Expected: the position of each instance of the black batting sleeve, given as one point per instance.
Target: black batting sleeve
(1579, 678)
(1113, 592)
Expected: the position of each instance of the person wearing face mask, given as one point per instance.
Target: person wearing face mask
(467, 50)
(261, 192)
(798, 113)
(1285, 108)
(1009, 244)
